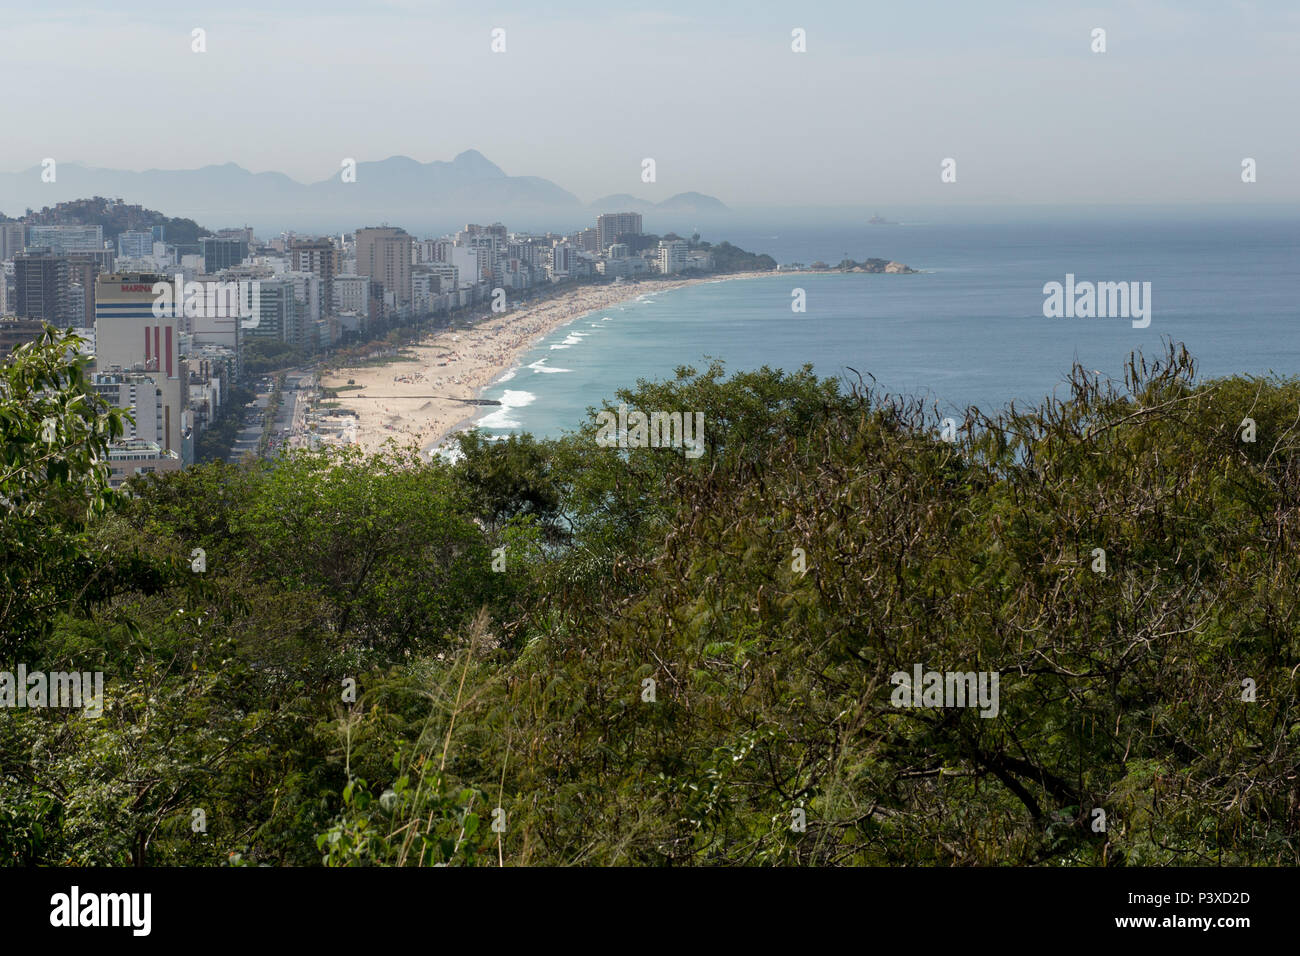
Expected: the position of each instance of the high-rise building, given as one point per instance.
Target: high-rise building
(426, 285)
(562, 255)
(672, 255)
(278, 316)
(129, 337)
(222, 253)
(352, 294)
(611, 225)
(65, 239)
(12, 239)
(384, 254)
(77, 301)
(469, 266)
(586, 239)
(83, 269)
(310, 304)
(243, 232)
(473, 229)
(135, 245)
(321, 258)
(41, 283)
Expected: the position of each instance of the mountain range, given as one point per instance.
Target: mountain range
(399, 190)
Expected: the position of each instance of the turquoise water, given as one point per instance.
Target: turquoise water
(969, 330)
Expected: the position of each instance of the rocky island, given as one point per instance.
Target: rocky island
(867, 265)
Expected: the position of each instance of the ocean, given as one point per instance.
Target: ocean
(968, 330)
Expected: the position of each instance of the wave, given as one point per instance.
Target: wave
(507, 376)
(541, 366)
(511, 399)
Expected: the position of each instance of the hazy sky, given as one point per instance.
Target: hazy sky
(710, 90)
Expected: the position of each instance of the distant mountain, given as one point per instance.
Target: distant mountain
(691, 202)
(620, 202)
(399, 190)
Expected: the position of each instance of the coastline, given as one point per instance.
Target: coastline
(422, 398)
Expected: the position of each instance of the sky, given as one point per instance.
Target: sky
(711, 91)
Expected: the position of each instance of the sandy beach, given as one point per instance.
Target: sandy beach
(414, 400)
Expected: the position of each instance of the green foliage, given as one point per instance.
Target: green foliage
(770, 589)
(117, 217)
(271, 355)
(53, 478)
(510, 479)
(218, 438)
(729, 258)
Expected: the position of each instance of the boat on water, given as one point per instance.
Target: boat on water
(876, 220)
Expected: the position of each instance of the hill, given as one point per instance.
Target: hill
(115, 217)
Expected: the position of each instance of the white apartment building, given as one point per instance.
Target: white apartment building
(673, 255)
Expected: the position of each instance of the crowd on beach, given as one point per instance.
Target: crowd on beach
(472, 358)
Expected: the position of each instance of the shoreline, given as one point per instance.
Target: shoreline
(421, 398)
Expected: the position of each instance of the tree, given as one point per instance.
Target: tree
(53, 479)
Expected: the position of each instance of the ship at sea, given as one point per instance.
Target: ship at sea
(877, 221)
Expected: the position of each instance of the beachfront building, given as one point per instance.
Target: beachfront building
(562, 256)
(352, 294)
(586, 240)
(673, 255)
(611, 225)
(384, 254)
(700, 261)
(628, 267)
(468, 264)
(426, 290)
(513, 274)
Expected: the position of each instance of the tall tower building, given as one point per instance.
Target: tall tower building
(278, 315)
(321, 258)
(41, 283)
(384, 254)
(611, 225)
(130, 338)
(12, 239)
(222, 253)
(83, 269)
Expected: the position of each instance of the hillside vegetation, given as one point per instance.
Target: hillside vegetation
(501, 619)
